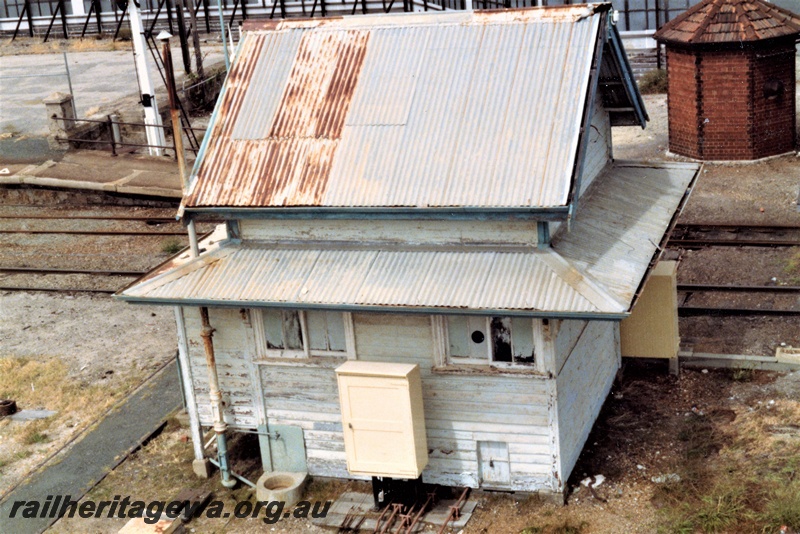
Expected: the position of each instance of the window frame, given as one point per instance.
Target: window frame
(443, 357)
(306, 353)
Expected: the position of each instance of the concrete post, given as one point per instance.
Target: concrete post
(59, 106)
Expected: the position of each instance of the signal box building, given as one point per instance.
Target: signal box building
(427, 203)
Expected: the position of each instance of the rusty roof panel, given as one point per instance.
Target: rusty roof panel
(278, 50)
(454, 110)
(320, 87)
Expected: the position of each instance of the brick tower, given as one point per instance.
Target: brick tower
(731, 80)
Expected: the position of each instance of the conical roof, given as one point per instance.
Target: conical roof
(729, 21)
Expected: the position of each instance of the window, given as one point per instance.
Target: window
(473, 339)
(302, 334)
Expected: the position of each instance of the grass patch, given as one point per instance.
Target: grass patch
(653, 82)
(173, 246)
(792, 267)
(743, 478)
(565, 527)
(743, 374)
(46, 384)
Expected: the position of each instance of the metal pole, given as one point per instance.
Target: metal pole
(187, 62)
(69, 82)
(155, 133)
(224, 41)
(174, 111)
(214, 395)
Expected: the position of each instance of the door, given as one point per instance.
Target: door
(494, 468)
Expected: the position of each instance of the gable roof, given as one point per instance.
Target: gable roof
(729, 21)
(475, 110)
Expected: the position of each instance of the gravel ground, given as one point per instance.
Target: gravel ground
(90, 336)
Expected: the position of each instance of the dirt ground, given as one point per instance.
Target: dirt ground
(650, 426)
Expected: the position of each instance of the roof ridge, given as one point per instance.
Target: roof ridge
(583, 284)
(716, 6)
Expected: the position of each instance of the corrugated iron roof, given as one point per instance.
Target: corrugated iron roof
(621, 222)
(478, 109)
(594, 269)
(729, 21)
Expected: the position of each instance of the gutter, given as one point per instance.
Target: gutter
(556, 213)
(426, 310)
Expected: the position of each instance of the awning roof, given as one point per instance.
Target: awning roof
(593, 270)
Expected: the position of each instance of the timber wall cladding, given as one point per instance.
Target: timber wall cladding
(598, 151)
(583, 385)
(460, 410)
(233, 352)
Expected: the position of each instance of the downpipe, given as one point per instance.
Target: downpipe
(214, 395)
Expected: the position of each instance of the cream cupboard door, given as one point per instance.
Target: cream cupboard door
(376, 419)
(383, 420)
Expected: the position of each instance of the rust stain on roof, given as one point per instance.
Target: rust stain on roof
(292, 165)
(729, 21)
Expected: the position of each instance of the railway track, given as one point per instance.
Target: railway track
(693, 311)
(731, 235)
(96, 232)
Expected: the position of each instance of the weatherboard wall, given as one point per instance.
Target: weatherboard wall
(583, 384)
(462, 409)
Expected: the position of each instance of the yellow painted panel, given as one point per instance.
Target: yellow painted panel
(652, 329)
(382, 419)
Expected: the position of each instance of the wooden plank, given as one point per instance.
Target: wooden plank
(393, 232)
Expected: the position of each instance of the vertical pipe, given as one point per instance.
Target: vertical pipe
(224, 41)
(188, 389)
(69, 82)
(193, 246)
(215, 397)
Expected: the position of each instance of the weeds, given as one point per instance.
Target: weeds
(564, 528)
(792, 267)
(653, 82)
(743, 374)
(171, 247)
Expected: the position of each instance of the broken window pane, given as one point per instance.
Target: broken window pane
(273, 328)
(501, 339)
(522, 339)
(292, 334)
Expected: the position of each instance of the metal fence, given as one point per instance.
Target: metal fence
(114, 139)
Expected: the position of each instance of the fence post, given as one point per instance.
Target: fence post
(59, 106)
(112, 134)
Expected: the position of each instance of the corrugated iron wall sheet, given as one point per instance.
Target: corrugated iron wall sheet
(484, 114)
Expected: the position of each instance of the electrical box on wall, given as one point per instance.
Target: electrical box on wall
(652, 329)
(383, 419)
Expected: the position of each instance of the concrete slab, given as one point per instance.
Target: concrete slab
(98, 452)
(99, 79)
(31, 415)
(101, 171)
